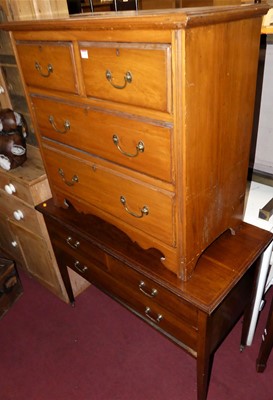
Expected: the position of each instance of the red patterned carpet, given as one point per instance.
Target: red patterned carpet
(100, 351)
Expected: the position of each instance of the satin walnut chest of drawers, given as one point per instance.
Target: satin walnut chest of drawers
(144, 119)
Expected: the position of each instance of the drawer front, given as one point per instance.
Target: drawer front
(20, 213)
(148, 289)
(9, 241)
(15, 189)
(158, 316)
(136, 75)
(141, 206)
(74, 245)
(140, 146)
(48, 65)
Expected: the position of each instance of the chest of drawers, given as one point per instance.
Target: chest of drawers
(23, 233)
(144, 119)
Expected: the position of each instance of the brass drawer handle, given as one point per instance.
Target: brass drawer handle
(150, 293)
(157, 318)
(79, 267)
(54, 126)
(74, 245)
(74, 179)
(127, 79)
(139, 147)
(39, 69)
(144, 210)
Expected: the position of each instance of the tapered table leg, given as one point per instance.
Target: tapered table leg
(267, 342)
(204, 357)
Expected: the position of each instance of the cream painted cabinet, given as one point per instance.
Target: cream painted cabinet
(23, 234)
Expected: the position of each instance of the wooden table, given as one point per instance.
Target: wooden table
(197, 314)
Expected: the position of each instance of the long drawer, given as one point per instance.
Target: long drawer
(170, 323)
(145, 147)
(48, 65)
(144, 206)
(155, 303)
(151, 290)
(135, 74)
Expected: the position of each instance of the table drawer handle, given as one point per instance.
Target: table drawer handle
(74, 245)
(79, 267)
(54, 126)
(157, 318)
(139, 147)
(150, 293)
(74, 179)
(39, 69)
(127, 79)
(144, 210)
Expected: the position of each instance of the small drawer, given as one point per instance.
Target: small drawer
(20, 213)
(15, 189)
(139, 75)
(74, 245)
(137, 145)
(142, 206)
(156, 294)
(48, 65)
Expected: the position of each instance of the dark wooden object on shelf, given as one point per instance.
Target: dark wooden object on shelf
(198, 314)
(10, 285)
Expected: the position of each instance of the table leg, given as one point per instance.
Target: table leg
(267, 342)
(204, 357)
(67, 284)
(252, 312)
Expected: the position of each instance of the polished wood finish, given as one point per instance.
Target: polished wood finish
(26, 240)
(197, 314)
(180, 82)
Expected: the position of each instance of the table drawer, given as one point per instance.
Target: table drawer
(149, 289)
(48, 65)
(161, 318)
(20, 213)
(138, 75)
(127, 141)
(144, 207)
